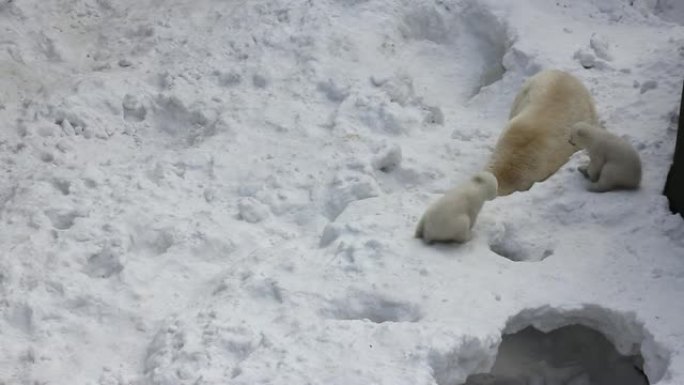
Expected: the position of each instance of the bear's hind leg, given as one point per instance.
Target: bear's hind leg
(461, 227)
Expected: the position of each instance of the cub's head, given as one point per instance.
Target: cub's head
(581, 134)
(487, 182)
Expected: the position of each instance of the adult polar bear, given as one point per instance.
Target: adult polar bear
(535, 143)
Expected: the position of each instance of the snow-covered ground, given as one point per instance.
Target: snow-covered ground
(225, 192)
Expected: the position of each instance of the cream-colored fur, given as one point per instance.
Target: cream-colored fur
(452, 217)
(534, 144)
(614, 163)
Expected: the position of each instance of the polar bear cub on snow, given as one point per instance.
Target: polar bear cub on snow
(452, 217)
(614, 163)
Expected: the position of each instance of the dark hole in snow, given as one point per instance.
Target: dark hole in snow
(570, 355)
(517, 246)
(62, 219)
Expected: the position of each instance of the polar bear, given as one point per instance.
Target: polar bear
(614, 163)
(534, 143)
(452, 217)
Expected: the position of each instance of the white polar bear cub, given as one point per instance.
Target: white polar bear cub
(452, 217)
(614, 163)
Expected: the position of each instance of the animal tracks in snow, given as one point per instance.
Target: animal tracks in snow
(372, 307)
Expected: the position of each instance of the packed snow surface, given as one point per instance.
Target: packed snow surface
(225, 192)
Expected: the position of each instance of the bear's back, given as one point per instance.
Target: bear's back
(554, 96)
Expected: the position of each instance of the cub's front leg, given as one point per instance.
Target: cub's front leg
(594, 168)
(583, 170)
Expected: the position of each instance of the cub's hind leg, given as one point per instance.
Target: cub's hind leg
(461, 231)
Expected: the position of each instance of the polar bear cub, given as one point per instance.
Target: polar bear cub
(614, 163)
(452, 217)
(534, 143)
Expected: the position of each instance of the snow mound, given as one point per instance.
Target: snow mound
(452, 366)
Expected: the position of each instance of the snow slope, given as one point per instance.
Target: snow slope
(213, 192)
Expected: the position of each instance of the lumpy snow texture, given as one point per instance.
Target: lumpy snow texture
(213, 192)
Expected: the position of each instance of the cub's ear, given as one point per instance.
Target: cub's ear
(478, 179)
(484, 178)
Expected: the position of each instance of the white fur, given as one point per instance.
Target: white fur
(614, 163)
(534, 144)
(452, 217)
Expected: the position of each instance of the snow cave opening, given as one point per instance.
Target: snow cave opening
(570, 355)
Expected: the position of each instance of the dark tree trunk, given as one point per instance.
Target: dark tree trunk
(674, 186)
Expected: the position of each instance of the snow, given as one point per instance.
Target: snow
(213, 192)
